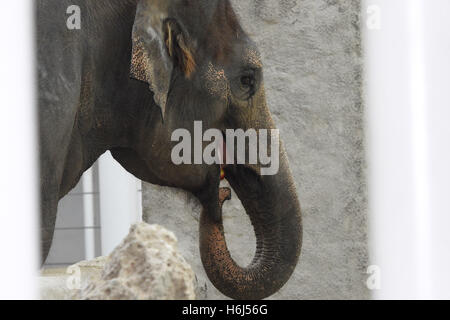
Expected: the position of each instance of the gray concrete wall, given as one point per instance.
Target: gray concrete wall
(311, 52)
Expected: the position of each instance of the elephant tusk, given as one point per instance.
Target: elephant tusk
(224, 195)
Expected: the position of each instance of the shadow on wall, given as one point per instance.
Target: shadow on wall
(312, 61)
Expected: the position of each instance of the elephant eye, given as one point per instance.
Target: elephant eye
(247, 81)
(248, 85)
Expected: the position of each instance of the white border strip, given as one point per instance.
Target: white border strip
(18, 160)
(419, 143)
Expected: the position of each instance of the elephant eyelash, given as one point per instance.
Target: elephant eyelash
(249, 91)
(248, 84)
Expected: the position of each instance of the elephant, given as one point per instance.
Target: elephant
(132, 73)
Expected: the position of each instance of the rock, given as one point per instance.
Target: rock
(65, 283)
(53, 287)
(145, 266)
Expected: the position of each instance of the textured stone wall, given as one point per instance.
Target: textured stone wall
(311, 52)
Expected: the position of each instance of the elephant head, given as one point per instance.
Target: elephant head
(201, 66)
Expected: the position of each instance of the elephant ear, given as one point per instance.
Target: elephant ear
(150, 60)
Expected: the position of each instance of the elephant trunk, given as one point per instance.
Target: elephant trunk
(272, 205)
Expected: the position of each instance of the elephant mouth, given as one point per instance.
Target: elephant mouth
(223, 157)
(226, 164)
(223, 151)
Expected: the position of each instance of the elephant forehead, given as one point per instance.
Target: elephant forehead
(216, 81)
(253, 58)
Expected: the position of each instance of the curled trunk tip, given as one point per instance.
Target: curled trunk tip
(277, 252)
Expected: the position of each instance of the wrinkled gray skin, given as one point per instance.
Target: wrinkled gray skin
(136, 71)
